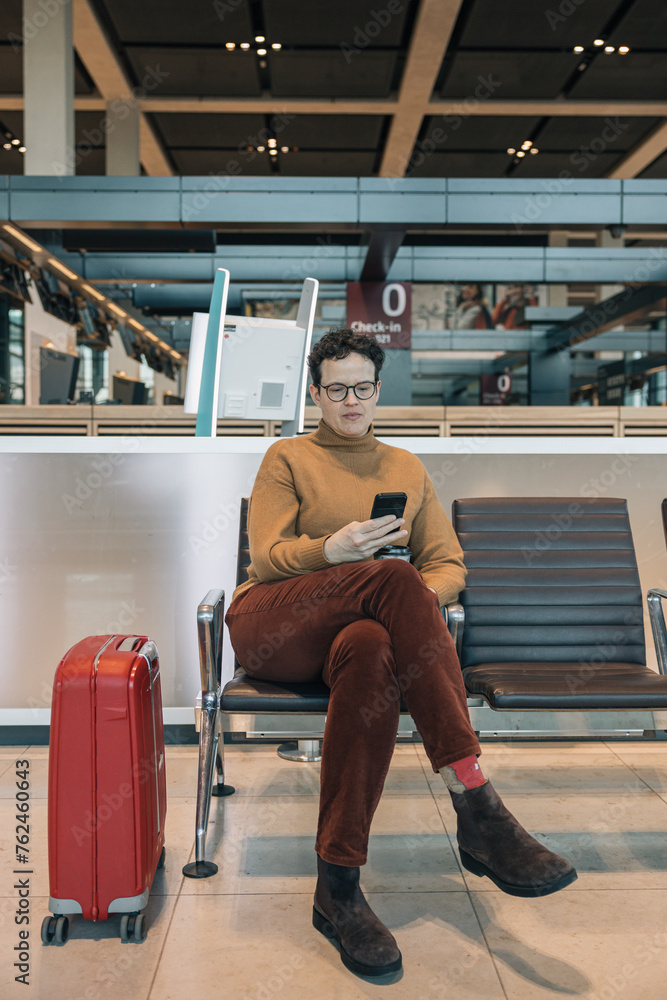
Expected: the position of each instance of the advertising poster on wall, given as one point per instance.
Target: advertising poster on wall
(470, 305)
(383, 310)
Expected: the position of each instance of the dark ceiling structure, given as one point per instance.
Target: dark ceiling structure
(417, 88)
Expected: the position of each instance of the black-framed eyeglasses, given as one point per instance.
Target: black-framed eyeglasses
(337, 392)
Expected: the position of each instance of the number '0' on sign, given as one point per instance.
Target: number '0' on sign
(382, 310)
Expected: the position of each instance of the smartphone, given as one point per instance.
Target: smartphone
(389, 503)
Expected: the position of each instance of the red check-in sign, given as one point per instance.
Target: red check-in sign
(382, 310)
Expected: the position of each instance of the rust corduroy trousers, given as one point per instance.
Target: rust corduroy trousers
(373, 632)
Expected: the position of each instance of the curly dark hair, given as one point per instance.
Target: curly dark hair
(339, 344)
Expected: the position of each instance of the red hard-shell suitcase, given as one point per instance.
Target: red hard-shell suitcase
(107, 791)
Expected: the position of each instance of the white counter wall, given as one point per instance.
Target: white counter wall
(128, 534)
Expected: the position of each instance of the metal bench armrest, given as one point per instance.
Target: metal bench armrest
(654, 599)
(455, 617)
(210, 614)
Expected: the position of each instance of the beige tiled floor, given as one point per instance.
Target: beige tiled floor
(246, 933)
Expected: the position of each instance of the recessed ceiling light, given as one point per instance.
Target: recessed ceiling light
(18, 235)
(16, 142)
(599, 41)
(245, 45)
(93, 291)
(61, 267)
(511, 150)
(7, 145)
(276, 45)
(534, 150)
(261, 52)
(521, 153)
(116, 309)
(22, 149)
(578, 48)
(230, 45)
(273, 152)
(284, 149)
(526, 144)
(623, 49)
(260, 38)
(260, 149)
(272, 142)
(151, 336)
(609, 49)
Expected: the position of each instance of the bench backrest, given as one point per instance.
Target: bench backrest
(243, 557)
(549, 580)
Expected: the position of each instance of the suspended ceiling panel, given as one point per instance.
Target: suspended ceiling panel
(332, 22)
(516, 23)
(326, 74)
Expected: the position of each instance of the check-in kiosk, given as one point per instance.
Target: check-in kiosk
(249, 367)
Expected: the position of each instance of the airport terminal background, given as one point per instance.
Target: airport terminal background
(484, 185)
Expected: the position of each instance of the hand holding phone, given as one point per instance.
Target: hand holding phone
(389, 503)
(360, 540)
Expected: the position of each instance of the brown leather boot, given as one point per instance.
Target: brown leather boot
(493, 843)
(342, 914)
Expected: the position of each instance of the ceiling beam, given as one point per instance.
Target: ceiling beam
(558, 109)
(384, 244)
(643, 154)
(309, 106)
(626, 307)
(428, 45)
(103, 66)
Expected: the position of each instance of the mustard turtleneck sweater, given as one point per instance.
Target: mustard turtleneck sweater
(309, 487)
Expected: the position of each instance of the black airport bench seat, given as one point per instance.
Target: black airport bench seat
(550, 618)
(552, 608)
(553, 605)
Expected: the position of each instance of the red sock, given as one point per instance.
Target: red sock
(468, 771)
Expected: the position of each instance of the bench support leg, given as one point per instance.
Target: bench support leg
(220, 788)
(208, 753)
(301, 750)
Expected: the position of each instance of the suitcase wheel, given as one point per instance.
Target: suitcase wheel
(163, 855)
(133, 927)
(55, 930)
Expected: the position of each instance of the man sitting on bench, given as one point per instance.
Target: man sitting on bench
(373, 631)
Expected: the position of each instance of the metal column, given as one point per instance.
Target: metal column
(48, 73)
(122, 139)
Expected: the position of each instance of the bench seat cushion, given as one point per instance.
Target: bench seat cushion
(561, 685)
(247, 694)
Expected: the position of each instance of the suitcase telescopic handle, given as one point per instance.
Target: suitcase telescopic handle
(149, 652)
(209, 634)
